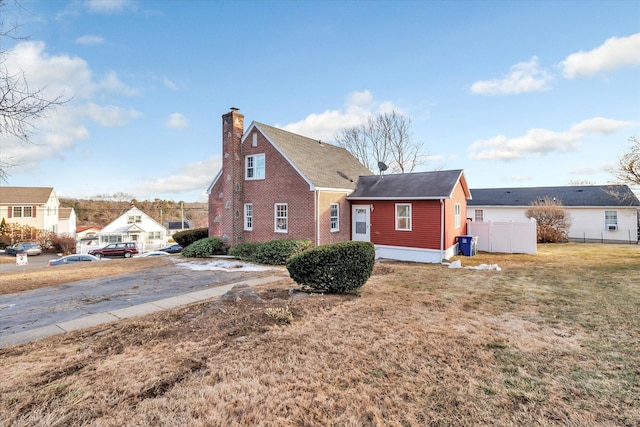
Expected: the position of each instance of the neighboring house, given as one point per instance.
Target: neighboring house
(135, 226)
(275, 184)
(85, 232)
(411, 217)
(601, 213)
(175, 226)
(37, 207)
(67, 222)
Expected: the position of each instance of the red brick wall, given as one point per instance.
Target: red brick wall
(344, 212)
(282, 184)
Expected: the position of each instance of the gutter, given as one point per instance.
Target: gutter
(317, 197)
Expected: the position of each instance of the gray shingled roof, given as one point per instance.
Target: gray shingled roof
(25, 195)
(421, 185)
(579, 195)
(322, 164)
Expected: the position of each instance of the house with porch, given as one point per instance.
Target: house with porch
(134, 226)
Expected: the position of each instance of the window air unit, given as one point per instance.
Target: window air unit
(612, 227)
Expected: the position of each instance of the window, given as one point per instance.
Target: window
(479, 215)
(403, 217)
(334, 212)
(21, 211)
(456, 215)
(255, 167)
(134, 218)
(281, 218)
(154, 235)
(248, 216)
(26, 211)
(611, 220)
(111, 238)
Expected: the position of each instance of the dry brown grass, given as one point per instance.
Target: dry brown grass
(552, 339)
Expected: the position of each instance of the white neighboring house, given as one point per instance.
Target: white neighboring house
(599, 213)
(135, 226)
(67, 222)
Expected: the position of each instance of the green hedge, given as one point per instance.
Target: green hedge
(273, 252)
(334, 268)
(187, 237)
(204, 248)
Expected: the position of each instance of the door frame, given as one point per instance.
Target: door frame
(359, 236)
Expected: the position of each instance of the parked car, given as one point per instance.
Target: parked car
(152, 253)
(24, 248)
(173, 249)
(72, 259)
(126, 250)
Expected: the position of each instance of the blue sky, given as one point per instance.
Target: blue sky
(515, 93)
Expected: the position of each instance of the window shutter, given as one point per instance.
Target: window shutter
(33, 212)
(9, 211)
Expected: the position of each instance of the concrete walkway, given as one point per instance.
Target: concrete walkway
(127, 312)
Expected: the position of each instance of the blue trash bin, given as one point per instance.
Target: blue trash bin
(467, 245)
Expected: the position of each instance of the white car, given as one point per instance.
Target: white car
(152, 253)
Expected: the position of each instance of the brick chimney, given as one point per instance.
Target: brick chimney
(232, 176)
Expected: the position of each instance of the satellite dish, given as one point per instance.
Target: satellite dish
(382, 166)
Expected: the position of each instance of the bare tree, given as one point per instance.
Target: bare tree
(627, 170)
(20, 104)
(384, 138)
(552, 220)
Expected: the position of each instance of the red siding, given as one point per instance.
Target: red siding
(425, 224)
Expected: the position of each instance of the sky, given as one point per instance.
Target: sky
(515, 93)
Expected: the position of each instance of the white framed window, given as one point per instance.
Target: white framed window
(334, 214)
(248, 216)
(611, 220)
(281, 216)
(17, 212)
(132, 219)
(478, 215)
(154, 235)
(456, 215)
(403, 217)
(255, 166)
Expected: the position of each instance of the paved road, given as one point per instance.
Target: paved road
(41, 308)
(36, 261)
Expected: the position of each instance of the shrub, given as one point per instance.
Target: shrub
(204, 248)
(244, 251)
(552, 220)
(277, 252)
(334, 268)
(187, 237)
(63, 244)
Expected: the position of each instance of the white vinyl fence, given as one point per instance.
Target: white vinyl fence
(507, 237)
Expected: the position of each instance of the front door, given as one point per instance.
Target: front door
(360, 223)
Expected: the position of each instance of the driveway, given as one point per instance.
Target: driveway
(41, 308)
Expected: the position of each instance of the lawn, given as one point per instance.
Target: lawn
(550, 339)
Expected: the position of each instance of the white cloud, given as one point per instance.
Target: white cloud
(90, 40)
(194, 176)
(542, 141)
(107, 6)
(614, 53)
(177, 121)
(359, 106)
(523, 77)
(169, 84)
(113, 84)
(110, 115)
(63, 128)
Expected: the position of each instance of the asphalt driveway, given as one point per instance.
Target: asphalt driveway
(44, 307)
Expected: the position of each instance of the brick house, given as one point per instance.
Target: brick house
(275, 184)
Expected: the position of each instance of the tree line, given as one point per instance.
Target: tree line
(102, 210)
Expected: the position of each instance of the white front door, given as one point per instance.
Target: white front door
(360, 223)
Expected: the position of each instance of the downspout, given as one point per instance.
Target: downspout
(317, 194)
(441, 230)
